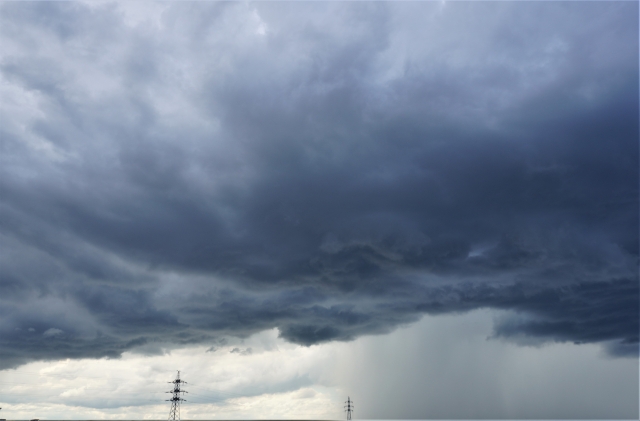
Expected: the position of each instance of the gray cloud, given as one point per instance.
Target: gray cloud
(221, 169)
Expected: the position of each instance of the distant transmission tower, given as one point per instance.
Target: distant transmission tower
(174, 413)
(348, 408)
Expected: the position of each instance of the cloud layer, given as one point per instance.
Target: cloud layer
(175, 173)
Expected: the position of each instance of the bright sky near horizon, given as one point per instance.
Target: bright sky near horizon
(431, 207)
(419, 371)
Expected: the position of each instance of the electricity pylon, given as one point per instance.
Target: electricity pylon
(174, 413)
(348, 408)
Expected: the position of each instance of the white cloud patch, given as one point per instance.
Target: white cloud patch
(49, 333)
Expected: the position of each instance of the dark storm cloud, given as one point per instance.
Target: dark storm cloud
(176, 173)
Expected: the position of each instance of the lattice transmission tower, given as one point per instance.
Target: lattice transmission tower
(174, 413)
(348, 408)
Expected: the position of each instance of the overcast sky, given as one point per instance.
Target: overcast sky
(429, 206)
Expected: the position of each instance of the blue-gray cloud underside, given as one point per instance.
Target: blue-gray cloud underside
(316, 191)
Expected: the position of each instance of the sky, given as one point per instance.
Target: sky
(430, 207)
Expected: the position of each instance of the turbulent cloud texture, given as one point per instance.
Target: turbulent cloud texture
(173, 173)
